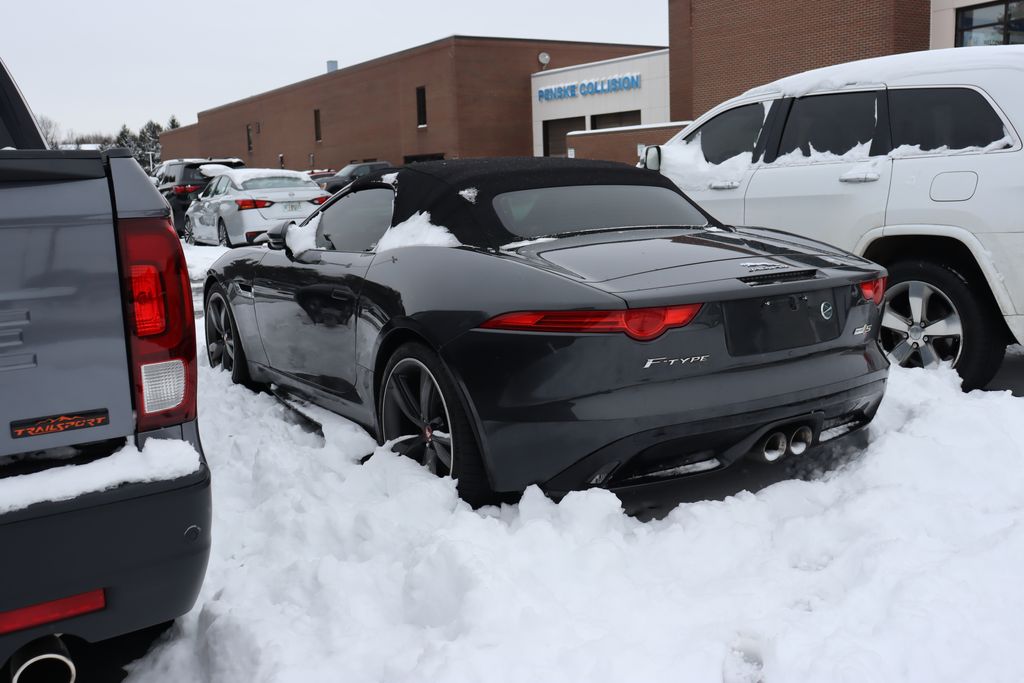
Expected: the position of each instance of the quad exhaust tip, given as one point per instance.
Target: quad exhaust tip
(775, 446)
(801, 440)
(45, 660)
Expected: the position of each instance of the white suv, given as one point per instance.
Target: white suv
(913, 161)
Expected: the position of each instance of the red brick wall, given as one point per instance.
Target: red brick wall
(478, 104)
(180, 142)
(720, 48)
(619, 145)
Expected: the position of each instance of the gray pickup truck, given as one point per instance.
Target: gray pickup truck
(97, 358)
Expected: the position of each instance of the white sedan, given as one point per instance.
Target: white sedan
(239, 204)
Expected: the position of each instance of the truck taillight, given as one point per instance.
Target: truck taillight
(160, 322)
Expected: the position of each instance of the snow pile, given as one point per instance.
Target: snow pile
(893, 68)
(300, 238)
(417, 231)
(902, 566)
(390, 178)
(159, 460)
(200, 258)
(469, 194)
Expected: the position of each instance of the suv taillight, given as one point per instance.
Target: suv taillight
(186, 189)
(160, 321)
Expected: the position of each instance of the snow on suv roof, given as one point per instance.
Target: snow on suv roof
(894, 68)
(240, 175)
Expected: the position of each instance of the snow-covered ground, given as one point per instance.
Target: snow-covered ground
(903, 565)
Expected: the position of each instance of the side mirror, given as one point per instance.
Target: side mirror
(652, 158)
(276, 235)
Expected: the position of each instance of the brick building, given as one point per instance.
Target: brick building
(721, 48)
(456, 97)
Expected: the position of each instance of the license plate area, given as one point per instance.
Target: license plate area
(292, 207)
(776, 323)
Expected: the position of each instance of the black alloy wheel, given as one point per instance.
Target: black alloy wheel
(223, 347)
(421, 414)
(415, 412)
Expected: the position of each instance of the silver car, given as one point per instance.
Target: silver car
(240, 204)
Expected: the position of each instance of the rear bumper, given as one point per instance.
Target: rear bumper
(145, 545)
(553, 409)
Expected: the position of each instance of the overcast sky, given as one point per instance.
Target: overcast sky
(92, 65)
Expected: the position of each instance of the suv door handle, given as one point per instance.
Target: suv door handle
(859, 177)
(724, 184)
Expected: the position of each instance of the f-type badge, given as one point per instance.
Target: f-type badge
(651, 362)
(826, 310)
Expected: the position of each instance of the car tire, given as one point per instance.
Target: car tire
(222, 234)
(950, 302)
(188, 234)
(223, 344)
(416, 361)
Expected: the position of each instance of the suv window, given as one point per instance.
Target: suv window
(730, 133)
(840, 124)
(933, 118)
(357, 221)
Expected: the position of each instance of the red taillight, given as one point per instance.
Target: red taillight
(161, 324)
(873, 290)
(147, 293)
(54, 610)
(244, 204)
(186, 189)
(643, 324)
(318, 200)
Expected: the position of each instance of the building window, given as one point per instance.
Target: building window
(248, 137)
(994, 23)
(421, 105)
(615, 119)
(316, 126)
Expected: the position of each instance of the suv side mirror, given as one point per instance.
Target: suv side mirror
(652, 158)
(276, 235)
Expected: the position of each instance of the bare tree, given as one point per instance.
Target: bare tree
(50, 130)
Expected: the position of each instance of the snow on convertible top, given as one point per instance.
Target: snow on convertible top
(417, 231)
(240, 175)
(893, 68)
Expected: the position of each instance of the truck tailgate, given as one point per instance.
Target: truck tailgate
(64, 374)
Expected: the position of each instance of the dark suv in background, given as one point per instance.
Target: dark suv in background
(180, 181)
(350, 173)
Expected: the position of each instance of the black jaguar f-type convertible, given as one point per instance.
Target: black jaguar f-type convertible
(557, 322)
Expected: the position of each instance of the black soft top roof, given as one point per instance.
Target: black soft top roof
(434, 186)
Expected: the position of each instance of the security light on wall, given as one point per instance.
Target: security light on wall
(544, 58)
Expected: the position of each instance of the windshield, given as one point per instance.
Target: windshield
(277, 181)
(575, 208)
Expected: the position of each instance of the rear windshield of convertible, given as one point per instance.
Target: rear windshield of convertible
(577, 208)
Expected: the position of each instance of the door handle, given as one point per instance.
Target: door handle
(859, 177)
(340, 295)
(724, 184)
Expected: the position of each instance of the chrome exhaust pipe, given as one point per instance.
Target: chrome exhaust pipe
(801, 440)
(45, 660)
(774, 447)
